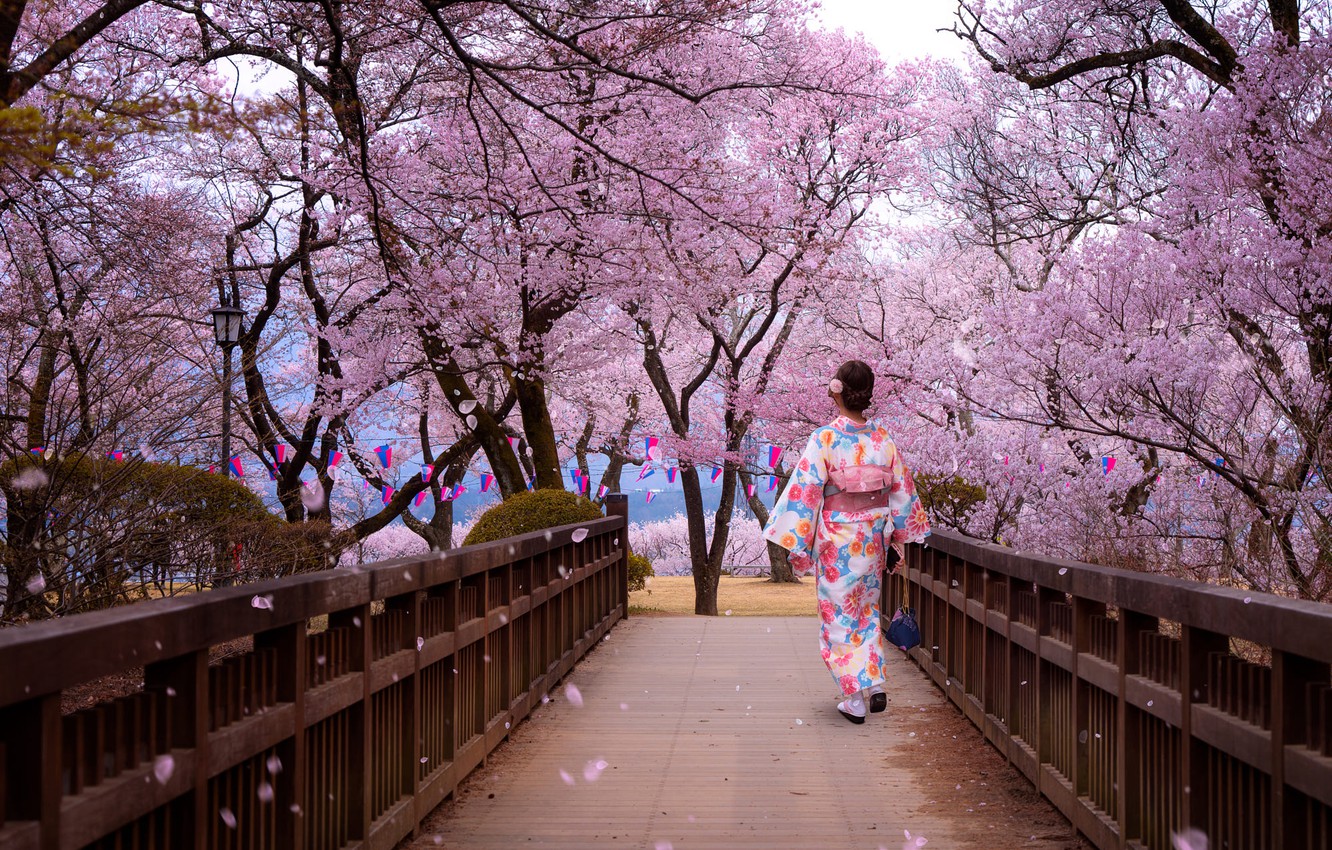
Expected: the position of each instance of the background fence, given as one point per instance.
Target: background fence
(350, 703)
(1139, 705)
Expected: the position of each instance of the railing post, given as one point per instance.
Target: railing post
(30, 734)
(184, 680)
(1128, 743)
(1292, 678)
(355, 811)
(617, 504)
(1196, 645)
(290, 646)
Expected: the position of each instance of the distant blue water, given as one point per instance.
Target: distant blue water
(668, 502)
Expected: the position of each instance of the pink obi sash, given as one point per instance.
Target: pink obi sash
(857, 488)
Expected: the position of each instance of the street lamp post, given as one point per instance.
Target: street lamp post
(227, 321)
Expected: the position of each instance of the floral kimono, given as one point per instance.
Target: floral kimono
(844, 538)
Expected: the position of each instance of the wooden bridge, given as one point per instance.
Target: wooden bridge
(348, 705)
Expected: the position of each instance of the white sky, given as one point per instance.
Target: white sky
(900, 29)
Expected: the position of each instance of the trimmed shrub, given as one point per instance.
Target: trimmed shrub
(523, 513)
(949, 499)
(640, 570)
(100, 532)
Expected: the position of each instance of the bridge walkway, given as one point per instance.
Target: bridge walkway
(700, 732)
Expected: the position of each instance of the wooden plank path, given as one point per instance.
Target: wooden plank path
(723, 732)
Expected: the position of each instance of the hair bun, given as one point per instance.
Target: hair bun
(857, 400)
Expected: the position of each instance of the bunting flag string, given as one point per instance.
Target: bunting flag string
(334, 459)
(716, 473)
(237, 471)
(650, 447)
(427, 470)
(513, 444)
(651, 494)
(645, 472)
(601, 491)
(1107, 464)
(387, 494)
(280, 452)
(385, 455)
(670, 474)
(772, 483)
(420, 497)
(38, 450)
(486, 480)
(272, 471)
(1042, 467)
(116, 455)
(749, 490)
(774, 455)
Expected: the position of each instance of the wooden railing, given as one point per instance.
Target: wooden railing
(1139, 705)
(355, 702)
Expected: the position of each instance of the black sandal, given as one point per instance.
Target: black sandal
(854, 718)
(878, 702)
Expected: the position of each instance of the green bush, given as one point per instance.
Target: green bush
(949, 499)
(640, 570)
(101, 532)
(523, 513)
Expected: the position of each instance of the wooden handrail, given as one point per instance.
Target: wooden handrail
(309, 738)
(1140, 705)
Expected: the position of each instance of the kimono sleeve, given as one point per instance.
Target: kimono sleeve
(794, 518)
(910, 523)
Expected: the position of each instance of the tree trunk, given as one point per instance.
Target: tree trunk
(706, 570)
(779, 564)
(539, 430)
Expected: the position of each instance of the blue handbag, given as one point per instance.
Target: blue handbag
(903, 632)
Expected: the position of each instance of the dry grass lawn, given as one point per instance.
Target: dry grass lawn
(740, 597)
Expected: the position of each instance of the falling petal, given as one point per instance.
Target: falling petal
(1189, 839)
(163, 767)
(1063, 571)
(313, 499)
(579, 535)
(728, 612)
(666, 845)
(274, 765)
(263, 603)
(265, 792)
(799, 722)
(420, 644)
(1248, 599)
(574, 696)
(37, 585)
(228, 817)
(30, 479)
(592, 770)
(471, 422)
(568, 780)
(467, 406)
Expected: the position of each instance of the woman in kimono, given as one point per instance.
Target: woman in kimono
(849, 499)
